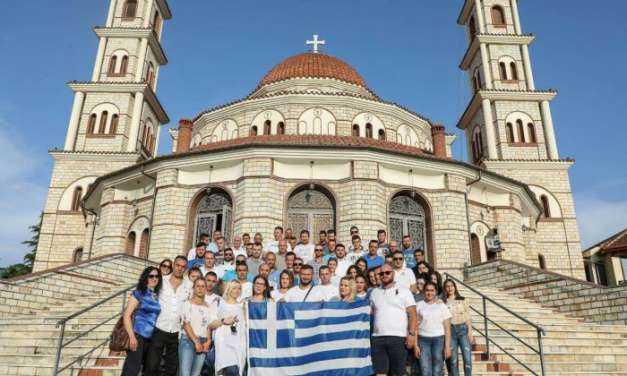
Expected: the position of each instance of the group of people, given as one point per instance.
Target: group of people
(187, 316)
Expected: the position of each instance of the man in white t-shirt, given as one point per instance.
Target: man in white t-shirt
(394, 311)
(210, 266)
(304, 249)
(273, 245)
(329, 290)
(343, 263)
(403, 276)
(238, 247)
(356, 250)
(242, 277)
(305, 291)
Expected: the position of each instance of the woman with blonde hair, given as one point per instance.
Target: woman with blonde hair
(347, 291)
(230, 332)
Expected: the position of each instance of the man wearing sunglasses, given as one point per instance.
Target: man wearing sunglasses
(403, 276)
(395, 324)
(317, 261)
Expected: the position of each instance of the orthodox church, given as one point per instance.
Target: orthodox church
(311, 147)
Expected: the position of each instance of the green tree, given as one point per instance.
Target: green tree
(29, 258)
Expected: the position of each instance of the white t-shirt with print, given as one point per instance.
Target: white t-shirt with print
(199, 317)
(431, 318)
(389, 307)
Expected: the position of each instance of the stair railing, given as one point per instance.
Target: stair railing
(61, 343)
(540, 332)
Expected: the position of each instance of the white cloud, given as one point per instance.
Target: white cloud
(22, 192)
(599, 218)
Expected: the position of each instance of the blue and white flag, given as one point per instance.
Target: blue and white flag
(323, 338)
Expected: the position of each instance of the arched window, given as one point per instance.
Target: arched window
(130, 243)
(78, 255)
(510, 132)
(113, 62)
(280, 128)
(521, 131)
(514, 69)
(477, 144)
(503, 71)
(150, 75)
(381, 134)
(124, 66)
(130, 9)
(115, 119)
(253, 130)
(498, 16)
(143, 244)
(476, 80)
(142, 139)
(91, 125)
(541, 261)
(546, 210)
(368, 130)
(532, 133)
(472, 28)
(267, 127)
(103, 122)
(355, 132)
(76, 199)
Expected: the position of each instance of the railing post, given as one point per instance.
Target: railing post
(541, 350)
(57, 359)
(485, 326)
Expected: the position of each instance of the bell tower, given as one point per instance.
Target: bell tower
(115, 122)
(509, 127)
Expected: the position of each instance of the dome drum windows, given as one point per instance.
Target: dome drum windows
(268, 122)
(520, 130)
(406, 135)
(368, 126)
(316, 121)
(226, 130)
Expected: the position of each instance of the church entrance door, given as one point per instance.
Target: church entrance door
(213, 213)
(310, 208)
(407, 217)
(475, 250)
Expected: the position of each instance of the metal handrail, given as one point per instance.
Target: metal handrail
(63, 322)
(484, 300)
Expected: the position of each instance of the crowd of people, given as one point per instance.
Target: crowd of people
(187, 316)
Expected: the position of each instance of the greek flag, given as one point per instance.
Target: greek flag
(322, 338)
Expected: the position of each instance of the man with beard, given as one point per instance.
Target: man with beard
(305, 291)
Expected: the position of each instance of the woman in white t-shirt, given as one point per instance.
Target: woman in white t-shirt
(194, 343)
(230, 333)
(434, 332)
(286, 282)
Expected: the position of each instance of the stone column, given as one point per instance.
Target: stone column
(133, 134)
(489, 129)
(75, 118)
(141, 59)
(528, 72)
(517, 26)
(480, 16)
(549, 131)
(99, 59)
(487, 69)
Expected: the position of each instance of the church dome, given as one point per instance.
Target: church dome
(313, 65)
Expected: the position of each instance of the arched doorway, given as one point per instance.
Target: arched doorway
(143, 244)
(475, 250)
(311, 208)
(130, 243)
(213, 212)
(408, 216)
(78, 255)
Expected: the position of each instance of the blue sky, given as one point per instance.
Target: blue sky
(407, 51)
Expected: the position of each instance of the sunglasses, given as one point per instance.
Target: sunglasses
(397, 259)
(319, 249)
(166, 266)
(381, 274)
(153, 276)
(298, 264)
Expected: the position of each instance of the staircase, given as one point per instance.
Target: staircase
(32, 305)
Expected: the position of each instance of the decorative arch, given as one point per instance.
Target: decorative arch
(102, 116)
(69, 195)
(409, 213)
(310, 207)
(507, 68)
(118, 63)
(551, 208)
(316, 121)
(518, 120)
(226, 130)
(479, 230)
(210, 209)
(407, 135)
(267, 121)
(135, 230)
(369, 124)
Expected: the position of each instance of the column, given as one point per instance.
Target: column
(137, 114)
(99, 59)
(489, 129)
(487, 70)
(549, 131)
(147, 18)
(480, 17)
(141, 59)
(528, 73)
(111, 14)
(75, 118)
(514, 6)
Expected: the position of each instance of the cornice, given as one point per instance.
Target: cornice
(62, 155)
(124, 87)
(530, 164)
(502, 95)
(473, 48)
(135, 32)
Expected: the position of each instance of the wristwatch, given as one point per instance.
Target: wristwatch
(412, 333)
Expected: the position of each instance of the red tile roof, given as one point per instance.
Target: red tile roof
(317, 65)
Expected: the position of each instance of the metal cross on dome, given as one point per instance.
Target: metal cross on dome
(315, 42)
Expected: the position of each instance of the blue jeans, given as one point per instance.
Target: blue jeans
(459, 338)
(190, 362)
(231, 371)
(431, 355)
